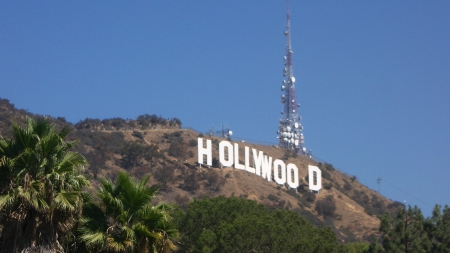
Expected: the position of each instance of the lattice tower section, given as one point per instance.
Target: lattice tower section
(290, 130)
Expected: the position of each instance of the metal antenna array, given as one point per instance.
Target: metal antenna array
(379, 182)
(289, 132)
(211, 131)
(225, 132)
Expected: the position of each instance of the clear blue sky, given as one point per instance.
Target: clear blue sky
(372, 76)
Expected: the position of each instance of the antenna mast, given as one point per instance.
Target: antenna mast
(379, 182)
(290, 129)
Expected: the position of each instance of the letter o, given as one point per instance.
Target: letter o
(276, 164)
(222, 146)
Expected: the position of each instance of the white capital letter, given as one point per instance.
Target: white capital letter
(236, 158)
(258, 158)
(292, 169)
(276, 172)
(311, 171)
(247, 161)
(204, 151)
(266, 171)
(226, 162)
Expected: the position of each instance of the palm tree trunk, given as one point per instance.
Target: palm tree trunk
(31, 234)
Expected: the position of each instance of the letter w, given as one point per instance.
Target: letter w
(266, 171)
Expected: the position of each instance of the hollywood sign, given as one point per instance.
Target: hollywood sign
(262, 164)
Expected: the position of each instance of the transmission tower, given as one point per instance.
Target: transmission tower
(211, 131)
(379, 182)
(290, 129)
(225, 132)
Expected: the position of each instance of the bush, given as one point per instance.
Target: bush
(325, 207)
(133, 153)
(193, 143)
(361, 198)
(183, 201)
(140, 171)
(303, 202)
(347, 186)
(310, 197)
(327, 166)
(326, 175)
(176, 121)
(97, 161)
(215, 182)
(138, 134)
(165, 175)
(112, 142)
(191, 181)
(178, 150)
(174, 137)
(272, 197)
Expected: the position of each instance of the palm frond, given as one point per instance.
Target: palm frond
(7, 200)
(23, 136)
(112, 203)
(6, 147)
(129, 232)
(64, 132)
(151, 215)
(37, 186)
(33, 198)
(140, 228)
(26, 159)
(49, 145)
(41, 127)
(93, 239)
(76, 182)
(118, 241)
(107, 185)
(6, 167)
(67, 200)
(70, 161)
(143, 181)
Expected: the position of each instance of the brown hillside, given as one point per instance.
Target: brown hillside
(158, 147)
(356, 206)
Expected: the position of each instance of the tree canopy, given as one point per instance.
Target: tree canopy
(126, 221)
(40, 187)
(239, 225)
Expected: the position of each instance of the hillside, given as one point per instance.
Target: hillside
(161, 148)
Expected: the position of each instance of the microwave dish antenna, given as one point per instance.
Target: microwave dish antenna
(225, 132)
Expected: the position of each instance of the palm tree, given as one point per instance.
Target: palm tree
(40, 187)
(126, 220)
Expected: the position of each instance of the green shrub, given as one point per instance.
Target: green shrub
(347, 186)
(272, 197)
(310, 197)
(326, 175)
(325, 207)
(193, 143)
(138, 134)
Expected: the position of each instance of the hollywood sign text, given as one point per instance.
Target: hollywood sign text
(262, 164)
